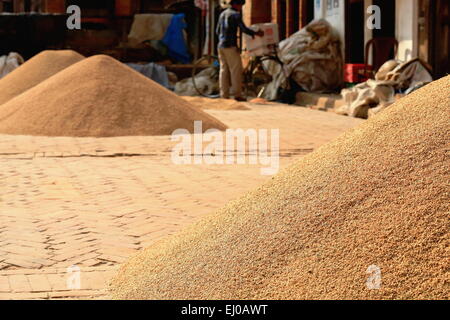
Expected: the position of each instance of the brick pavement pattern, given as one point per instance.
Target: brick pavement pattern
(92, 203)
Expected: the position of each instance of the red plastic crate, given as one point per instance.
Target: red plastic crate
(354, 72)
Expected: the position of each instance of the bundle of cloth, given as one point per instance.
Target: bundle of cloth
(369, 98)
(312, 57)
(10, 62)
(206, 82)
(154, 71)
(148, 26)
(168, 29)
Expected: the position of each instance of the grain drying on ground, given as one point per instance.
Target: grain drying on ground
(100, 97)
(216, 104)
(376, 196)
(34, 71)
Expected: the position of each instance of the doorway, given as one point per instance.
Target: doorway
(438, 51)
(387, 19)
(354, 31)
(434, 35)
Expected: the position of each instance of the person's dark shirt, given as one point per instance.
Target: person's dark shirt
(229, 22)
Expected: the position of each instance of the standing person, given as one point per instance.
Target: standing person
(230, 59)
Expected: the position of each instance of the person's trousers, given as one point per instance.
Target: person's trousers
(230, 69)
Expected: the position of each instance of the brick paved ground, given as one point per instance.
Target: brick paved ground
(94, 202)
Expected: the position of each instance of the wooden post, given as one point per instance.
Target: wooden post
(303, 14)
(276, 11)
(19, 6)
(126, 8)
(277, 16)
(290, 28)
(54, 6)
(247, 16)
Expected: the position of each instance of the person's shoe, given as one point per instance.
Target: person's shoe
(240, 99)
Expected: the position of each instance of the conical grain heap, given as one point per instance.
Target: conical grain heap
(363, 217)
(39, 68)
(100, 97)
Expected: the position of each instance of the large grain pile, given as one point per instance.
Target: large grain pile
(34, 71)
(377, 197)
(100, 97)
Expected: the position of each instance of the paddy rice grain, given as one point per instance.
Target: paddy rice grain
(100, 97)
(215, 104)
(34, 71)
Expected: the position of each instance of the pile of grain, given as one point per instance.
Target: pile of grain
(215, 104)
(376, 197)
(100, 97)
(260, 101)
(34, 71)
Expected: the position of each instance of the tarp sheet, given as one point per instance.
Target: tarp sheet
(175, 40)
(154, 71)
